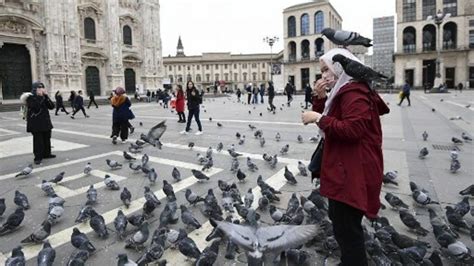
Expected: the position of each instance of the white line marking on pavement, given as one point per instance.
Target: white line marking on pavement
(460, 105)
(277, 181)
(65, 192)
(54, 166)
(62, 237)
(7, 132)
(10, 118)
(24, 145)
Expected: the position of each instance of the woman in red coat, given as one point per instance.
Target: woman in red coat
(180, 101)
(352, 161)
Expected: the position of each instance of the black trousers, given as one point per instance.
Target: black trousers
(346, 221)
(249, 97)
(195, 113)
(80, 109)
(182, 117)
(60, 106)
(92, 101)
(120, 129)
(270, 102)
(41, 144)
(290, 98)
(407, 96)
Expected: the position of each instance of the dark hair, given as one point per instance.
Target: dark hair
(187, 83)
(180, 87)
(57, 92)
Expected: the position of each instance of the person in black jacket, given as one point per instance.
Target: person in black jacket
(271, 95)
(194, 101)
(121, 115)
(71, 99)
(289, 93)
(79, 105)
(307, 95)
(92, 99)
(38, 121)
(59, 103)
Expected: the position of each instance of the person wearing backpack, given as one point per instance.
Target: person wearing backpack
(121, 115)
(194, 101)
(38, 121)
(59, 103)
(79, 105)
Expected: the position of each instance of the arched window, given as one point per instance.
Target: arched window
(216, 77)
(318, 22)
(292, 51)
(89, 29)
(127, 35)
(264, 76)
(244, 76)
(171, 78)
(305, 49)
(291, 26)
(180, 78)
(198, 78)
(254, 76)
(429, 38)
(226, 76)
(451, 7)
(429, 8)
(409, 10)
(236, 77)
(305, 24)
(449, 35)
(319, 43)
(409, 40)
(208, 77)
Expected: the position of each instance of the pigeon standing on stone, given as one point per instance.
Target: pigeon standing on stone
(420, 195)
(455, 166)
(188, 219)
(47, 255)
(91, 195)
(299, 139)
(425, 135)
(81, 241)
(248, 198)
(58, 178)
(113, 164)
(395, 201)
(47, 187)
(357, 70)
(199, 175)
(410, 221)
(176, 174)
(423, 153)
(126, 197)
(456, 140)
(241, 176)
(192, 197)
(290, 178)
(152, 176)
(110, 183)
(139, 238)
(168, 191)
(87, 168)
(97, 223)
(251, 165)
(346, 38)
(209, 254)
(39, 234)
(124, 261)
(469, 191)
(278, 136)
(302, 168)
(220, 146)
(26, 171)
(128, 157)
(13, 221)
(21, 200)
(120, 224)
(187, 246)
(285, 149)
(466, 137)
(389, 177)
(17, 258)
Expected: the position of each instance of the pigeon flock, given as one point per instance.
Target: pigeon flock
(256, 223)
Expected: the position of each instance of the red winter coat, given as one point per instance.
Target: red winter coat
(180, 100)
(352, 164)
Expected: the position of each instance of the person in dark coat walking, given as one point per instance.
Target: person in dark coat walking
(271, 95)
(248, 89)
(79, 105)
(59, 103)
(92, 99)
(352, 160)
(180, 101)
(255, 94)
(72, 95)
(289, 93)
(38, 121)
(194, 98)
(262, 92)
(307, 95)
(239, 93)
(405, 93)
(120, 116)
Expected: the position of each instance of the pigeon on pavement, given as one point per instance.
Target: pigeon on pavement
(128, 157)
(285, 149)
(176, 174)
(97, 223)
(192, 197)
(302, 168)
(21, 200)
(466, 137)
(357, 70)
(346, 38)
(139, 238)
(423, 153)
(187, 246)
(420, 195)
(113, 164)
(3, 207)
(17, 258)
(81, 241)
(251, 165)
(199, 175)
(26, 171)
(456, 140)
(248, 198)
(241, 176)
(39, 234)
(278, 136)
(188, 219)
(209, 254)
(126, 197)
(469, 191)
(455, 166)
(47, 255)
(124, 261)
(410, 221)
(290, 178)
(58, 178)
(425, 135)
(395, 201)
(110, 183)
(91, 195)
(47, 187)
(120, 224)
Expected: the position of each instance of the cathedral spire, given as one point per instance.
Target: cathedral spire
(180, 48)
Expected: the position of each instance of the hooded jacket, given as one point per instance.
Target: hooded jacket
(37, 117)
(352, 162)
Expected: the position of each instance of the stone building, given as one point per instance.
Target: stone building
(79, 44)
(303, 41)
(384, 45)
(419, 38)
(229, 70)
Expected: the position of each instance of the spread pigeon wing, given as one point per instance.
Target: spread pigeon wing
(284, 237)
(157, 131)
(243, 236)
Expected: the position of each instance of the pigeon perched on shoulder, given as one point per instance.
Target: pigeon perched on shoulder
(358, 70)
(346, 38)
(26, 171)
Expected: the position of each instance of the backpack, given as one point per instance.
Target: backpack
(24, 108)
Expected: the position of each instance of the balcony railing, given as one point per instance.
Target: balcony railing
(409, 48)
(449, 45)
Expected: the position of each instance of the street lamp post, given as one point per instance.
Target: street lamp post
(271, 41)
(438, 20)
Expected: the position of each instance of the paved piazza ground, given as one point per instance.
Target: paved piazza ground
(87, 140)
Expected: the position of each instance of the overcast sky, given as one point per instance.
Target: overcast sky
(238, 26)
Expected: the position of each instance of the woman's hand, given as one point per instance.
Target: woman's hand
(320, 88)
(310, 117)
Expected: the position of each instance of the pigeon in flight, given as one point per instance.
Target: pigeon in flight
(272, 239)
(346, 38)
(155, 133)
(357, 70)
(26, 171)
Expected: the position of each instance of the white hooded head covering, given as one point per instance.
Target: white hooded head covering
(336, 68)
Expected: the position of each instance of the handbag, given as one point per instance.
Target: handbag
(316, 159)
